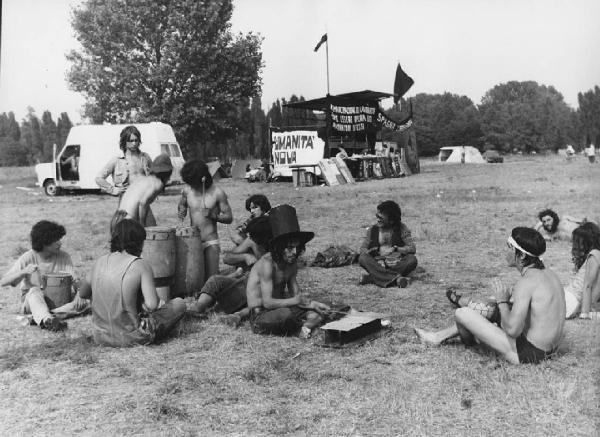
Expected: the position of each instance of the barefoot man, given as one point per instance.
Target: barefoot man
(532, 316)
(135, 202)
(208, 206)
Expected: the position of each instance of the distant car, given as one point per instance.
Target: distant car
(493, 156)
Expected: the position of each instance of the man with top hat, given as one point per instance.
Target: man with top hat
(532, 315)
(273, 295)
(135, 202)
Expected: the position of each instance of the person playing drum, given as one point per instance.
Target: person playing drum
(208, 206)
(44, 257)
(135, 202)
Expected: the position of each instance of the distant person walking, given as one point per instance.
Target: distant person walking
(590, 151)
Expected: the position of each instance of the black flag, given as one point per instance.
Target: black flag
(402, 83)
(323, 39)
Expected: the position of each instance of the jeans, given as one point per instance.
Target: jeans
(386, 276)
(35, 304)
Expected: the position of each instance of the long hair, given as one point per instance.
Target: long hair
(531, 241)
(44, 233)
(259, 230)
(555, 219)
(278, 246)
(585, 239)
(126, 134)
(128, 235)
(194, 172)
(259, 200)
(392, 210)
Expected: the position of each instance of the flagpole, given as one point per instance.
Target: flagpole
(327, 58)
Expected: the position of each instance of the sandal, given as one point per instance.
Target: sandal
(453, 297)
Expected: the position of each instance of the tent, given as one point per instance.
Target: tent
(216, 170)
(238, 169)
(466, 154)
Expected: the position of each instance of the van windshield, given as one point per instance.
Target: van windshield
(171, 150)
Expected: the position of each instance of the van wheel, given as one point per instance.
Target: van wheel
(50, 188)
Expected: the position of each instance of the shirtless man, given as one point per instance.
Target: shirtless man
(532, 316)
(208, 206)
(135, 202)
(273, 295)
(553, 228)
(126, 309)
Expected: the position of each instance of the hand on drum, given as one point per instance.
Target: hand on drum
(501, 290)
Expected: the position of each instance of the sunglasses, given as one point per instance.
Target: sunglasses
(133, 141)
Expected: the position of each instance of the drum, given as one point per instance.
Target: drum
(57, 288)
(159, 250)
(189, 266)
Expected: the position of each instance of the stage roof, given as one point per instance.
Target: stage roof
(355, 98)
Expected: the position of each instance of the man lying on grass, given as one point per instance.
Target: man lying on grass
(532, 317)
(554, 228)
(45, 256)
(125, 307)
(273, 310)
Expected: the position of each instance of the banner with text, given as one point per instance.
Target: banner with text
(357, 118)
(298, 147)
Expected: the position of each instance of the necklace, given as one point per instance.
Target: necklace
(525, 269)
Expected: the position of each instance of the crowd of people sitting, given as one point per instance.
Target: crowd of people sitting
(523, 323)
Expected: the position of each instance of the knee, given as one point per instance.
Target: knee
(411, 263)
(364, 258)
(178, 305)
(462, 315)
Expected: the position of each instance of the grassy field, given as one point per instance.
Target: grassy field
(216, 380)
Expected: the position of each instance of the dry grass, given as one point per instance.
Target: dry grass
(215, 380)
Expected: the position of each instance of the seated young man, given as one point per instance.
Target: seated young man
(388, 250)
(273, 295)
(125, 305)
(257, 205)
(229, 291)
(135, 202)
(532, 328)
(208, 205)
(254, 246)
(45, 256)
(583, 289)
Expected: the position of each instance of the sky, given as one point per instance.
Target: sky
(464, 47)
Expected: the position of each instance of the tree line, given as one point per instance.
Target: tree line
(177, 61)
(32, 141)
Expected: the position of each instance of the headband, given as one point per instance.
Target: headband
(514, 244)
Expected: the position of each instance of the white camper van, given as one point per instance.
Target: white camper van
(89, 147)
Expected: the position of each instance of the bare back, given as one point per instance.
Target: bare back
(138, 197)
(546, 316)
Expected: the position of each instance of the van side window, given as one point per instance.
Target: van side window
(175, 150)
(164, 148)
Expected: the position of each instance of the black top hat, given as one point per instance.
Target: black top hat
(284, 223)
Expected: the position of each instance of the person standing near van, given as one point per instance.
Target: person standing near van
(125, 169)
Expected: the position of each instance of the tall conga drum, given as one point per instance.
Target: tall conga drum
(189, 266)
(159, 251)
(57, 288)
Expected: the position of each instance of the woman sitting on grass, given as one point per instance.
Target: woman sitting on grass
(584, 287)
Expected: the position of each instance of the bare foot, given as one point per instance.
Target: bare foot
(237, 273)
(427, 337)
